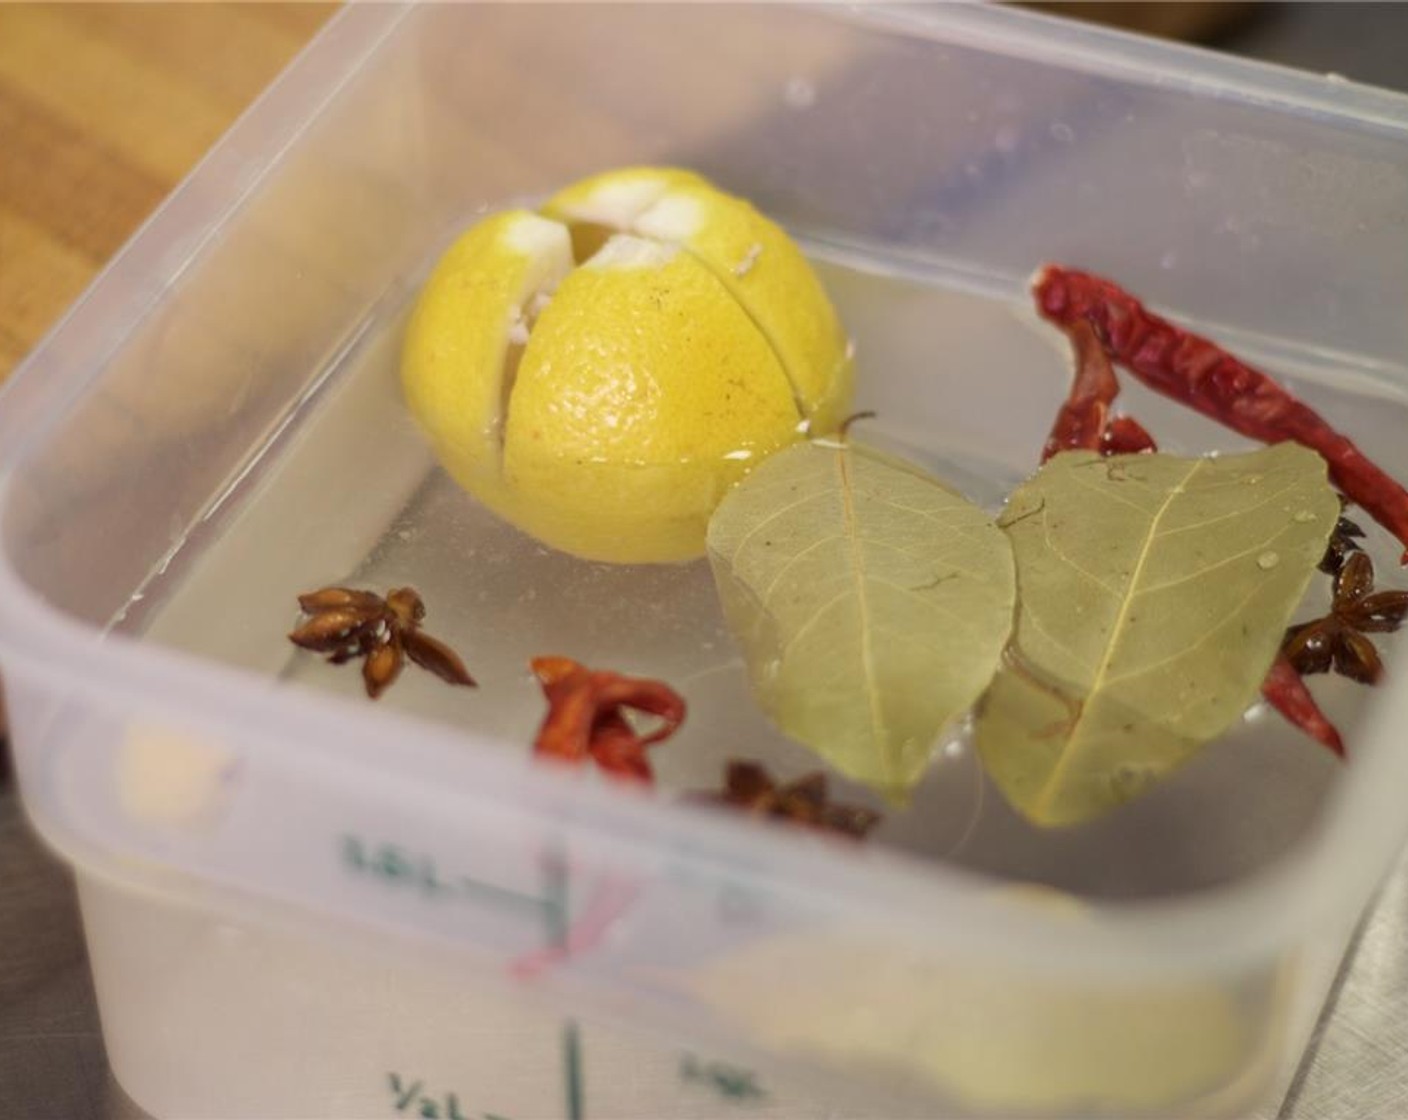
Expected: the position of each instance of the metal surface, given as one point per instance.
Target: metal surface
(52, 1064)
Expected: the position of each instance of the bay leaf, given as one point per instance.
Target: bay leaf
(871, 602)
(1153, 592)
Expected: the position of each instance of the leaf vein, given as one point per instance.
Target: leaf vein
(1260, 546)
(1062, 764)
(1234, 514)
(1227, 620)
(769, 519)
(1061, 555)
(867, 659)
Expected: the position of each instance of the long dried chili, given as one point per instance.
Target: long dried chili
(1083, 420)
(1197, 372)
(1285, 690)
(1124, 435)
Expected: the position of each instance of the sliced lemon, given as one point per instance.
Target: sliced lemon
(601, 374)
(752, 256)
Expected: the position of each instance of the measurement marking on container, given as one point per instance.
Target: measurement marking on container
(572, 1062)
(397, 866)
(404, 1098)
(729, 1081)
(412, 1100)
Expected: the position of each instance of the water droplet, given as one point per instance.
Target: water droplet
(1267, 560)
(1128, 779)
(1252, 480)
(1062, 133)
(1304, 517)
(799, 94)
(953, 749)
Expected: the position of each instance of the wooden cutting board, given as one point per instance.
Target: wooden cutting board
(103, 109)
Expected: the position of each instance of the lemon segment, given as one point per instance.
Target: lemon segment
(750, 254)
(472, 311)
(644, 393)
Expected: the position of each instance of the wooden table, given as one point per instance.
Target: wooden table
(103, 109)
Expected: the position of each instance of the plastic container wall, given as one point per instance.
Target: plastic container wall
(963, 146)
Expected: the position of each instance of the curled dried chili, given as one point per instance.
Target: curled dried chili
(587, 717)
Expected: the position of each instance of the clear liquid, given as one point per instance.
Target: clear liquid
(963, 384)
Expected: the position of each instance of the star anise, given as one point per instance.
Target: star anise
(1343, 542)
(344, 623)
(1339, 639)
(805, 801)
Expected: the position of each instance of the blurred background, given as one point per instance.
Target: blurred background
(103, 109)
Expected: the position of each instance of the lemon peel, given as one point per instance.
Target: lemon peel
(600, 373)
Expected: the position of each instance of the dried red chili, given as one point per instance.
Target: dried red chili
(1284, 689)
(586, 717)
(1083, 418)
(1199, 373)
(1124, 435)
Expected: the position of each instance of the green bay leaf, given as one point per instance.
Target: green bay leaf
(871, 602)
(1153, 592)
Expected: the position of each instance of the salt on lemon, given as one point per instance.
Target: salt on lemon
(600, 373)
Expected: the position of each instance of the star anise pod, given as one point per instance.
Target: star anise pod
(344, 623)
(1339, 639)
(1344, 541)
(805, 801)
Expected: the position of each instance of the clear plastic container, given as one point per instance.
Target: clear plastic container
(302, 905)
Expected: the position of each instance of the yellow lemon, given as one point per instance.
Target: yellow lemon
(599, 374)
